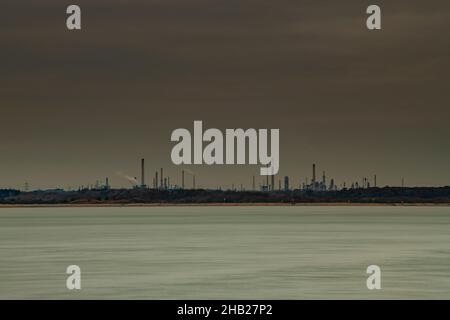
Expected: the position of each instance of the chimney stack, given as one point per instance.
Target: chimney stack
(182, 179)
(314, 174)
(142, 173)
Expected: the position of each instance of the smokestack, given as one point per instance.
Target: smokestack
(375, 181)
(162, 178)
(253, 183)
(156, 180)
(314, 174)
(182, 179)
(142, 173)
(286, 183)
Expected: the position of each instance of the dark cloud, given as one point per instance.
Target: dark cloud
(80, 106)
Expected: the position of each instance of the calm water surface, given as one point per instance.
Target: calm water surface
(225, 252)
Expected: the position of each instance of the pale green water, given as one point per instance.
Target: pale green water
(225, 252)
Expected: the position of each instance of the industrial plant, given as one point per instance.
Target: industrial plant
(159, 181)
(271, 189)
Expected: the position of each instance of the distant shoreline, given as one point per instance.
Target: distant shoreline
(311, 204)
(140, 197)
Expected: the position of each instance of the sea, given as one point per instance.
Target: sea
(225, 252)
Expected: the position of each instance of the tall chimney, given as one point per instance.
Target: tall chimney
(142, 173)
(314, 174)
(375, 181)
(182, 179)
(162, 179)
(156, 179)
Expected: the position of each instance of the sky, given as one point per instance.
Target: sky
(80, 106)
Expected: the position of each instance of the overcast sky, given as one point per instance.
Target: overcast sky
(80, 106)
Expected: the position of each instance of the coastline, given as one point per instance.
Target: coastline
(306, 204)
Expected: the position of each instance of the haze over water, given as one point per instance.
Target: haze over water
(225, 252)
